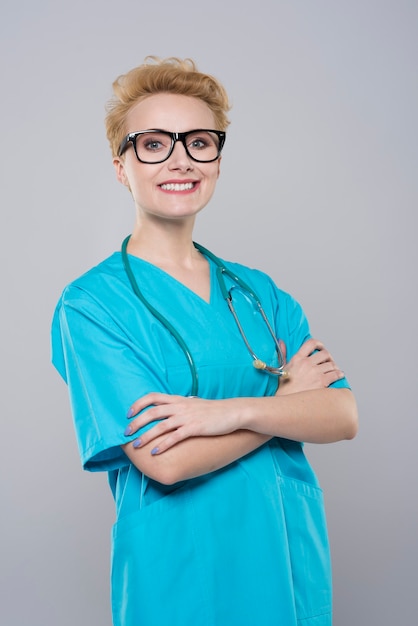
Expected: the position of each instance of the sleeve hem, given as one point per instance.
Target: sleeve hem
(104, 457)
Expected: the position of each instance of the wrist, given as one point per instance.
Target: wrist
(249, 413)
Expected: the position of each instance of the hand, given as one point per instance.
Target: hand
(312, 367)
(181, 417)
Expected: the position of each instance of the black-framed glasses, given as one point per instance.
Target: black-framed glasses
(155, 146)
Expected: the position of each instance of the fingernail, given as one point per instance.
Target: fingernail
(129, 413)
(137, 443)
(128, 431)
(155, 450)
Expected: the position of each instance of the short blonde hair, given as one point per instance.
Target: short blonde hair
(155, 75)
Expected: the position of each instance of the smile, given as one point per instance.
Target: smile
(178, 186)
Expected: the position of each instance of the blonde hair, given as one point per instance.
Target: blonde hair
(155, 75)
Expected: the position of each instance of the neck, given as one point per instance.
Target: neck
(164, 244)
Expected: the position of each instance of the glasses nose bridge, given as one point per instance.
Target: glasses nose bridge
(181, 137)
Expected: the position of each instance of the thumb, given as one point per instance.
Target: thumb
(283, 350)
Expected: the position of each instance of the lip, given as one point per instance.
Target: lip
(176, 186)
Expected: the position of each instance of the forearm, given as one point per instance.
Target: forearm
(197, 436)
(194, 456)
(314, 416)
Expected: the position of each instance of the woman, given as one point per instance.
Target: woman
(219, 516)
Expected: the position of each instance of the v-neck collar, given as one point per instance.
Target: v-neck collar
(138, 261)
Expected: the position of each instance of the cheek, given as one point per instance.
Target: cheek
(213, 174)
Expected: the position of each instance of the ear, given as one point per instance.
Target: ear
(119, 166)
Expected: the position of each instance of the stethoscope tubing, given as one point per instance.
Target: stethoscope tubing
(164, 321)
(221, 271)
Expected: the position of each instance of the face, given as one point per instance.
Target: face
(179, 187)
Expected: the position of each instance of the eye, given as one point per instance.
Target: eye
(197, 144)
(200, 141)
(152, 142)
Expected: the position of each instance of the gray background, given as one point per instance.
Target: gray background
(319, 189)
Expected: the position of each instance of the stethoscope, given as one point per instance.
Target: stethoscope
(221, 272)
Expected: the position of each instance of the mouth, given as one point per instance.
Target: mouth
(184, 187)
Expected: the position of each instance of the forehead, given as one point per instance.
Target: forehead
(169, 112)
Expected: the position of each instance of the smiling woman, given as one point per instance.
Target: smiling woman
(179, 161)
(193, 383)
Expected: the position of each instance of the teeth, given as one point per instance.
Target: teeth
(177, 186)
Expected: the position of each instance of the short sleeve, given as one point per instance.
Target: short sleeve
(105, 372)
(297, 331)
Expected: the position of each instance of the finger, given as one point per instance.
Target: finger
(159, 413)
(149, 399)
(141, 403)
(332, 377)
(142, 420)
(170, 441)
(283, 349)
(309, 347)
(327, 367)
(321, 356)
(162, 428)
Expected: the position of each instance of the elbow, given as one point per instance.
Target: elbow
(160, 468)
(351, 430)
(162, 472)
(351, 425)
(167, 477)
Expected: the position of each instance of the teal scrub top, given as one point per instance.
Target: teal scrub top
(246, 545)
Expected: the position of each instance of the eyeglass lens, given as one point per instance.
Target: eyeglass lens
(152, 147)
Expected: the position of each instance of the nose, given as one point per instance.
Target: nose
(179, 159)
